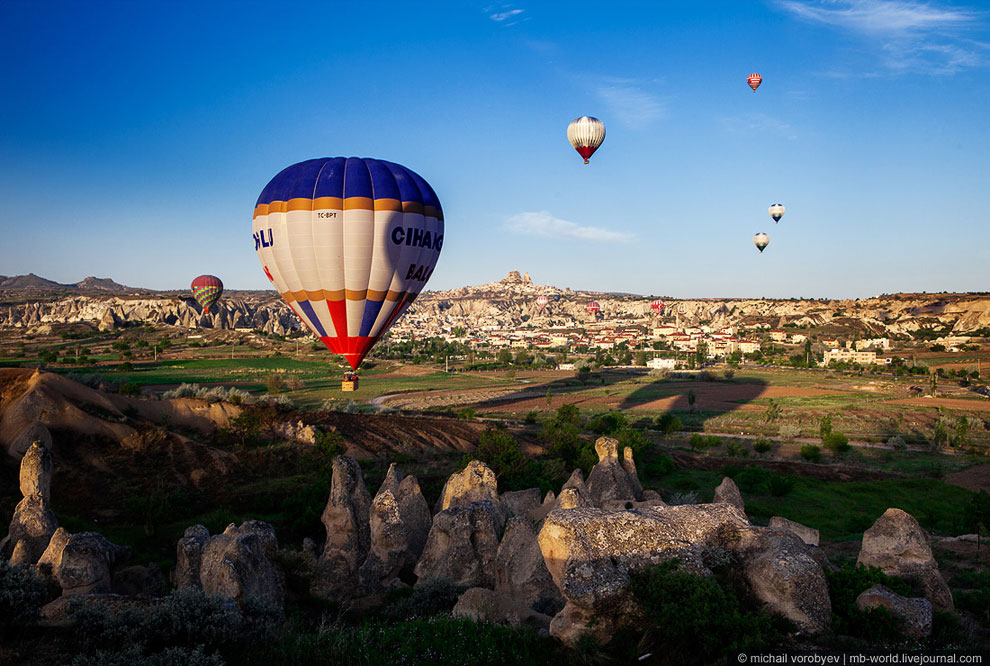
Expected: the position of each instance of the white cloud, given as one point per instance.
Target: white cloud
(542, 223)
(904, 34)
(629, 103)
(505, 14)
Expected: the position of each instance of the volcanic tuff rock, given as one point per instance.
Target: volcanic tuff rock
(483, 605)
(898, 546)
(915, 614)
(462, 546)
(237, 564)
(520, 571)
(189, 557)
(610, 479)
(474, 483)
(347, 519)
(399, 523)
(82, 563)
(808, 534)
(728, 492)
(33, 523)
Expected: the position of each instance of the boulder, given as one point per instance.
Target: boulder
(483, 605)
(728, 492)
(36, 472)
(399, 524)
(548, 505)
(609, 479)
(347, 521)
(629, 465)
(474, 483)
(462, 546)
(571, 498)
(189, 556)
(520, 571)
(36, 432)
(898, 546)
(82, 563)
(33, 522)
(590, 552)
(785, 576)
(235, 565)
(809, 535)
(521, 502)
(915, 615)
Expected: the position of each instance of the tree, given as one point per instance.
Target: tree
(701, 355)
(641, 357)
(522, 357)
(504, 357)
(549, 398)
(825, 427)
(962, 429)
(691, 399)
(773, 411)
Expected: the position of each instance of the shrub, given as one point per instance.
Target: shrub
(659, 466)
(762, 445)
(698, 442)
(432, 598)
(682, 497)
(753, 479)
(737, 449)
(836, 442)
(274, 383)
(788, 431)
(279, 402)
(897, 443)
(811, 453)
(696, 618)
(779, 485)
(874, 625)
(608, 423)
(634, 439)
(134, 654)
(531, 417)
(22, 593)
(467, 414)
(668, 424)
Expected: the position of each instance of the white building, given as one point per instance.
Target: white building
(662, 363)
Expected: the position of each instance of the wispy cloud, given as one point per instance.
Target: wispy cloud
(758, 122)
(504, 14)
(542, 223)
(905, 34)
(630, 103)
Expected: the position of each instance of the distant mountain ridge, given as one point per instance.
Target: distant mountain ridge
(32, 281)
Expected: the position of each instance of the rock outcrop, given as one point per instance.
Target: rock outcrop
(82, 563)
(483, 605)
(728, 492)
(520, 571)
(399, 523)
(347, 521)
(521, 502)
(610, 479)
(33, 522)
(915, 615)
(237, 564)
(898, 546)
(809, 535)
(462, 546)
(474, 483)
(590, 553)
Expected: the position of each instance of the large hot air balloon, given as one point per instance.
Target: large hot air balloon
(754, 80)
(777, 212)
(349, 243)
(761, 240)
(541, 302)
(657, 307)
(592, 308)
(586, 134)
(206, 289)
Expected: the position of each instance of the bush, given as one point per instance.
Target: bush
(874, 625)
(753, 479)
(130, 388)
(762, 445)
(658, 466)
(22, 594)
(134, 654)
(698, 442)
(668, 424)
(531, 417)
(467, 414)
(788, 431)
(811, 453)
(608, 423)
(736, 449)
(897, 443)
(282, 403)
(779, 485)
(274, 383)
(836, 442)
(432, 598)
(682, 497)
(696, 618)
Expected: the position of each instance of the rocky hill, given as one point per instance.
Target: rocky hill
(511, 302)
(507, 303)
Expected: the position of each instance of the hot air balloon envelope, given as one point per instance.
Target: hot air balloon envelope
(541, 302)
(657, 306)
(761, 240)
(206, 289)
(586, 135)
(754, 80)
(349, 243)
(777, 212)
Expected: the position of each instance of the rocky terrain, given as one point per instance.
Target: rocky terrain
(505, 304)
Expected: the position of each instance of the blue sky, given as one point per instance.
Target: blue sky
(137, 137)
